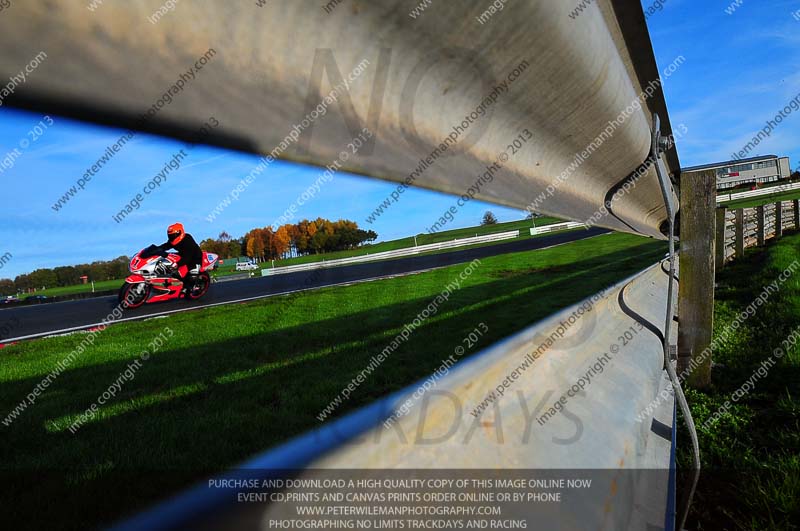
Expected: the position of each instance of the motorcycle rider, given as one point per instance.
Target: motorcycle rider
(190, 253)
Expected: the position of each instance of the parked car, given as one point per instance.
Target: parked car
(9, 300)
(38, 298)
(246, 266)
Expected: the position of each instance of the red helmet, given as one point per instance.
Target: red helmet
(175, 233)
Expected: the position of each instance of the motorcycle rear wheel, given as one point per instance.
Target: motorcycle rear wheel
(133, 295)
(199, 286)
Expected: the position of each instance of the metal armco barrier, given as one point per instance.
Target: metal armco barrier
(397, 253)
(555, 81)
(424, 77)
(605, 431)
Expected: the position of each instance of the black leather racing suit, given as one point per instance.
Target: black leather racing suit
(190, 253)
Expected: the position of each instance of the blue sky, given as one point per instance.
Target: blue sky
(740, 70)
(84, 230)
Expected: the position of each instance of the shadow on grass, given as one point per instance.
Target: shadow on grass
(750, 463)
(253, 392)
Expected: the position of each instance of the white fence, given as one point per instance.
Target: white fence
(556, 227)
(761, 191)
(409, 251)
(752, 219)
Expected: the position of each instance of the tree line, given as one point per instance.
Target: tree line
(292, 239)
(65, 275)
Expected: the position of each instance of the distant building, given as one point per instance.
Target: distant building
(732, 173)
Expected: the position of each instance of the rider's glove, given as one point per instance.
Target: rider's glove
(165, 268)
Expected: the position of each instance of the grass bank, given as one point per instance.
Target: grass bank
(751, 452)
(78, 288)
(423, 239)
(232, 381)
(762, 200)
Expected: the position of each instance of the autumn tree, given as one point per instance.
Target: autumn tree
(302, 236)
(280, 242)
(268, 237)
(255, 244)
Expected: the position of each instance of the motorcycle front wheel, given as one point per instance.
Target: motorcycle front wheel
(133, 295)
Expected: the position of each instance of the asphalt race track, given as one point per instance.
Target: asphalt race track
(28, 322)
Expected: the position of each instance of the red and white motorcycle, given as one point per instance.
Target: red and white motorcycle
(152, 278)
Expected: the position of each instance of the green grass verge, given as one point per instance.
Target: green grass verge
(78, 288)
(423, 239)
(751, 454)
(238, 379)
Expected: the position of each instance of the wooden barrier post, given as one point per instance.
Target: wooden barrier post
(739, 228)
(696, 287)
(778, 220)
(719, 245)
(760, 225)
(796, 214)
